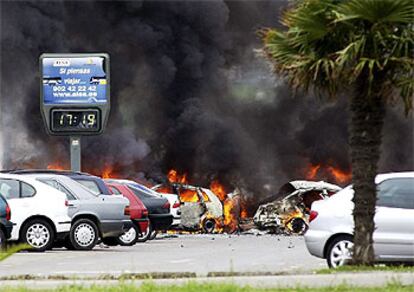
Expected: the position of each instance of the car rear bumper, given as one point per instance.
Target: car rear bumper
(8, 227)
(142, 223)
(161, 221)
(114, 228)
(315, 242)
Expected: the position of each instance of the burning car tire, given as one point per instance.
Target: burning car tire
(209, 225)
(83, 234)
(38, 234)
(297, 226)
(130, 237)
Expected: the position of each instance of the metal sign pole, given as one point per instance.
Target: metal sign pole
(75, 153)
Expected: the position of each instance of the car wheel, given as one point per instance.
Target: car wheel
(209, 225)
(297, 226)
(2, 240)
(83, 234)
(153, 235)
(38, 234)
(130, 237)
(339, 252)
(143, 236)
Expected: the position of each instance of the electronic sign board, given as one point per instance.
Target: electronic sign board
(74, 93)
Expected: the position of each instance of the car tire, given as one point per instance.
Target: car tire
(209, 225)
(38, 234)
(338, 252)
(144, 235)
(3, 241)
(153, 235)
(83, 234)
(130, 237)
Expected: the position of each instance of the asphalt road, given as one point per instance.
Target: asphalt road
(200, 254)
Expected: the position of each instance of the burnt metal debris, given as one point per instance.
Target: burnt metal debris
(289, 213)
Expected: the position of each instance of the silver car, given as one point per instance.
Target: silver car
(331, 228)
(93, 216)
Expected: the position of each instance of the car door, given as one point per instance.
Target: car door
(19, 196)
(394, 219)
(73, 202)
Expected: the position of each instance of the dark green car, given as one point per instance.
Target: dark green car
(5, 225)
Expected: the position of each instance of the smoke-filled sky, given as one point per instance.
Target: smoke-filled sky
(188, 91)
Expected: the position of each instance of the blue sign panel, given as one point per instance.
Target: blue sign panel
(74, 80)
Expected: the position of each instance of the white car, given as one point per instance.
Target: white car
(39, 213)
(330, 233)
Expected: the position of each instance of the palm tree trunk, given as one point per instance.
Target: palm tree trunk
(367, 116)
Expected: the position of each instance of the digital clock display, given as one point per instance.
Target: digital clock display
(76, 120)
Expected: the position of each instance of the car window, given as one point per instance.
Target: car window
(27, 190)
(140, 193)
(396, 193)
(115, 190)
(90, 185)
(10, 188)
(54, 184)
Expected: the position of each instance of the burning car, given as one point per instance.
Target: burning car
(289, 213)
(200, 207)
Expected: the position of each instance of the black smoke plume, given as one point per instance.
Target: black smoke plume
(188, 90)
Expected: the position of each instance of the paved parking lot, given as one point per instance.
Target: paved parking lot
(200, 254)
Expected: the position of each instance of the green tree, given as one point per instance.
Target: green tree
(361, 48)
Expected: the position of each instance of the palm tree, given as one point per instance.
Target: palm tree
(361, 48)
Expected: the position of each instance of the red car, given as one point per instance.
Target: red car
(138, 213)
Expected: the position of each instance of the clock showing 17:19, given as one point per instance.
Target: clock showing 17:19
(76, 120)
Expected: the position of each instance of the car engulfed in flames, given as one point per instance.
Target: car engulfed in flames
(289, 214)
(207, 210)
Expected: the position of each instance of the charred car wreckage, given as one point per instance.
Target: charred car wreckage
(290, 212)
(200, 208)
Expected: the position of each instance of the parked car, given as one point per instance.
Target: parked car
(39, 212)
(139, 215)
(158, 209)
(93, 183)
(93, 216)
(5, 224)
(330, 234)
(172, 198)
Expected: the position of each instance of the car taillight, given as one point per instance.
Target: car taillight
(127, 211)
(8, 213)
(313, 215)
(145, 213)
(176, 204)
(166, 205)
(66, 203)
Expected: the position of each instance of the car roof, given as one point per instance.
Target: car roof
(384, 176)
(46, 171)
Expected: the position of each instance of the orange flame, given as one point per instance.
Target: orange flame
(340, 175)
(56, 166)
(218, 190)
(313, 171)
(174, 177)
(188, 196)
(107, 171)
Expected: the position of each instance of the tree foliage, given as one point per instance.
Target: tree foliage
(329, 44)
